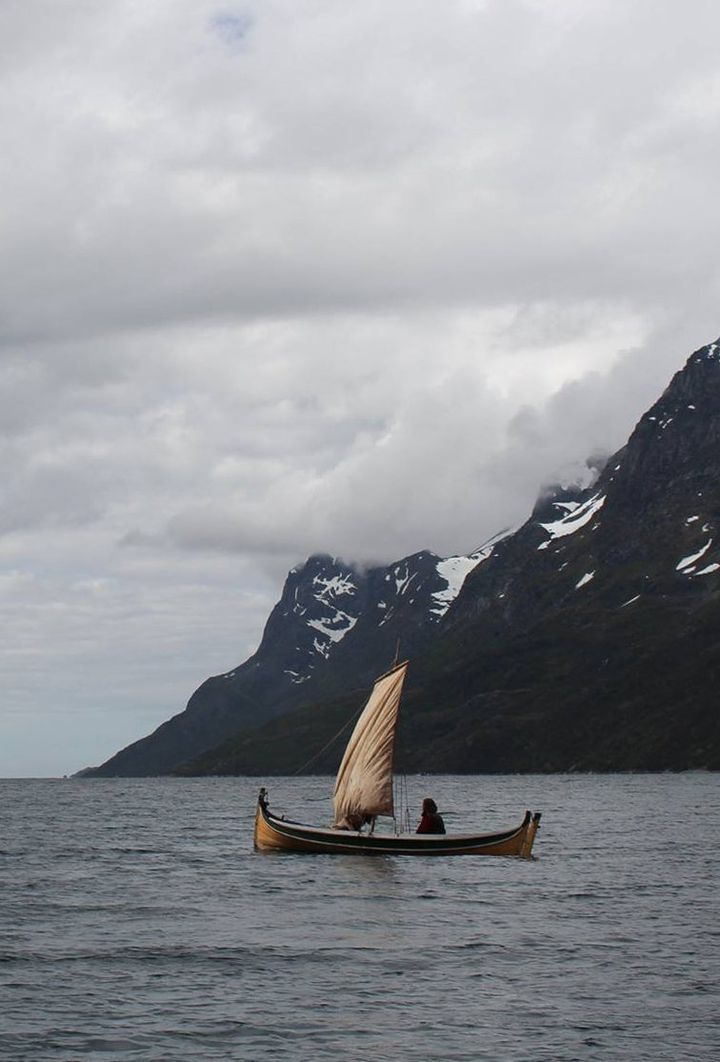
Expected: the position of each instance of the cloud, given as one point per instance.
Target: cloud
(520, 154)
(281, 278)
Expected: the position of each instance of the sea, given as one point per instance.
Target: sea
(137, 923)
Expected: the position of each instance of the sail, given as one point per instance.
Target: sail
(364, 780)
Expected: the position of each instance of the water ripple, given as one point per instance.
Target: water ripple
(137, 924)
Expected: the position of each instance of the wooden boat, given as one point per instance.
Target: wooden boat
(364, 791)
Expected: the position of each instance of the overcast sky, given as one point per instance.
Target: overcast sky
(291, 276)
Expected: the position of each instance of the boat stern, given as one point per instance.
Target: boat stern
(531, 826)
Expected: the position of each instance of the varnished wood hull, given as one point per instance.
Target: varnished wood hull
(275, 834)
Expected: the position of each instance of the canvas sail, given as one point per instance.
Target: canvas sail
(364, 784)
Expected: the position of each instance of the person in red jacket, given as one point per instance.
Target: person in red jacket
(430, 822)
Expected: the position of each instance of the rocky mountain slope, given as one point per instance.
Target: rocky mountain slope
(332, 625)
(589, 639)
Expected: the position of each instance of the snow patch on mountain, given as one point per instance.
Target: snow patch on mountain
(585, 579)
(454, 571)
(403, 578)
(295, 676)
(338, 586)
(686, 565)
(573, 521)
(334, 627)
(706, 571)
(298, 609)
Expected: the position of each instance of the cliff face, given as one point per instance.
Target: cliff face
(588, 639)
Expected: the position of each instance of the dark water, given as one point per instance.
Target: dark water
(136, 923)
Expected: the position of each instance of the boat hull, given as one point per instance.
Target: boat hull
(277, 834)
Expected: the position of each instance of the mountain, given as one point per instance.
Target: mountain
(588, 639)
(592, 639)
(332, 625)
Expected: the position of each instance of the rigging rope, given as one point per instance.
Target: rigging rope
(401, 799)
(317, 755)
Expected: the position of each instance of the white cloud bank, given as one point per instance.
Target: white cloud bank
(285, 277)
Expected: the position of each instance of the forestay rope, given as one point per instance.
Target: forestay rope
(334, 738)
